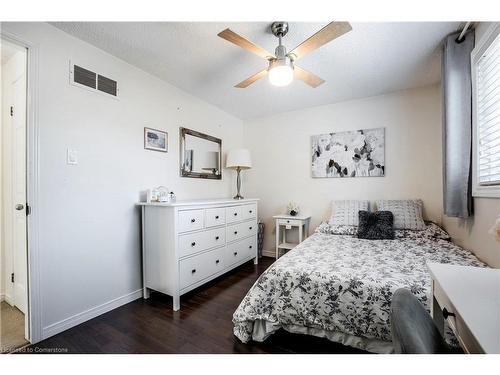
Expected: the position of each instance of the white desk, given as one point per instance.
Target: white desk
(287, 222)
(472, 296)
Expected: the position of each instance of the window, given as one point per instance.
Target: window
(485, 65)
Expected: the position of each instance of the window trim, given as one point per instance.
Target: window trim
(485, 191)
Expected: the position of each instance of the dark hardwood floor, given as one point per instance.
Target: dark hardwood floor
(203, 325)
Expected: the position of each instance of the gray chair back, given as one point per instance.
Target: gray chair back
(413, 330)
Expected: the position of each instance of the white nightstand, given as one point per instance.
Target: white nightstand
(284, 222)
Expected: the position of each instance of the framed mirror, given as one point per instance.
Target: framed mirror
(200, 155)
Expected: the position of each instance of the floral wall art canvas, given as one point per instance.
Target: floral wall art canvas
(358, 153)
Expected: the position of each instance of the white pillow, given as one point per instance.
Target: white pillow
(346, 212)
(407, 213)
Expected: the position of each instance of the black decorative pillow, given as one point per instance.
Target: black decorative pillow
(376, 225)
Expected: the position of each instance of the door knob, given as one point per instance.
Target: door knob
(19, 207)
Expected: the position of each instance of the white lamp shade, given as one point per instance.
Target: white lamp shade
(239, 158)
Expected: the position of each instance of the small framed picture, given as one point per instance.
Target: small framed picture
(156, 140)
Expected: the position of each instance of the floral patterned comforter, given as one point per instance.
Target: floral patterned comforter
(343, 285)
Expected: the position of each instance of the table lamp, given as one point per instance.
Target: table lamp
(238, 159)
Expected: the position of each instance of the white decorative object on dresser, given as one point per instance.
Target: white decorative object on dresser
(188, 243)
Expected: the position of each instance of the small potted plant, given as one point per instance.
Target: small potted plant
(292, 208)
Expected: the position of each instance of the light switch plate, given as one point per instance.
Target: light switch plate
(72, 156)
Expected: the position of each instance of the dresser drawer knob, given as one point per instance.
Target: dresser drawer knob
(193, 220)
(217, 261)
(235, 253)
(288, 221)
(250, 211)
(446, 313)
(193, 244)
(235, 214)
(193, 270)
(250, 228)
(216, 238)
(216, 217)
(235, 232)
(250, 246)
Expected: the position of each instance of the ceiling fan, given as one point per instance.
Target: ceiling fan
(281, 66)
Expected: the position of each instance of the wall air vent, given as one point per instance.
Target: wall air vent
(106, 85)
(92, 81)
(84, 77)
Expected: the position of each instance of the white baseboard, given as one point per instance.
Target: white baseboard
(7, 298)
(79, 318)
(269, 253)
(2, 297)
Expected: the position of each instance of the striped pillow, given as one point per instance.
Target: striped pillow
(407, 213)
(347, 212)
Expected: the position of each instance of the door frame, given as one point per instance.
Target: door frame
(32, 183)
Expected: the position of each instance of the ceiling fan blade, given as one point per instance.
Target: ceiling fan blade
(232, 37)
(326, 34)
(247, 82)
(307, 77)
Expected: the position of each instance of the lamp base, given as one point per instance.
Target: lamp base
(238, 184)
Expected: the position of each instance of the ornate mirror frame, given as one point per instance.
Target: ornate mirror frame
(182, 152)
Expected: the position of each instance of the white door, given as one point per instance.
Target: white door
(19, 233)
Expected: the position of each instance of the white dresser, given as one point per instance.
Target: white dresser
(188, 243)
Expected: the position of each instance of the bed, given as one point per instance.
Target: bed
(340, 287)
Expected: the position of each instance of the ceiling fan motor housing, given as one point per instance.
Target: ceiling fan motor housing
(280, 52)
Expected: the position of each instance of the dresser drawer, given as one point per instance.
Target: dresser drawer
(196, 242)
(240, 250)
(249, 211)
(199, 267)
(190, 220)
(251, 228)
(215, 217)
(289, 222)
(234, 214)
(238, 231)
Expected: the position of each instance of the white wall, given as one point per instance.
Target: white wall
(281, 152)
(90, 228)
(473, 233)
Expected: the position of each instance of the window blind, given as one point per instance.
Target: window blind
(488, 115)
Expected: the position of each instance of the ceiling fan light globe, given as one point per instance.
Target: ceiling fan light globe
(281, 75)
(280, 71)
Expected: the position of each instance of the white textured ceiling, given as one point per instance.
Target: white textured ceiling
(372, 59)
